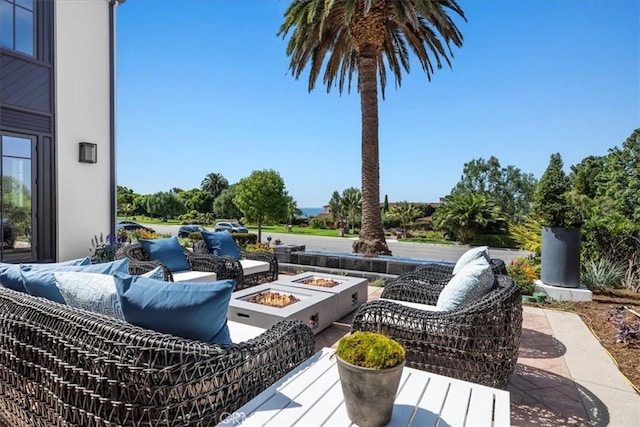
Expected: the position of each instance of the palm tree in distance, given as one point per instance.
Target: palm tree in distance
(214, 183)
(347, 36)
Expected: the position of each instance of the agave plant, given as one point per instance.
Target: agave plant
(602, 273)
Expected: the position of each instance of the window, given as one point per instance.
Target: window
(16, 210)
(16, 25)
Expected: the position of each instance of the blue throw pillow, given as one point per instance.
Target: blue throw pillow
(220, 243)
(40, 282)
(470, 284)
(167, 251)
(473, 254)
(10, 273)
(196, 311)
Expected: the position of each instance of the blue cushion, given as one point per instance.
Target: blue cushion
(195, 311)
(167, 251)
(10, 273)
(473, 254)
(40, 282)
(89, 291)
(220, 243)
(470, 284)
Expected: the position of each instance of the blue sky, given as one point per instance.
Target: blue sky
(204, 86)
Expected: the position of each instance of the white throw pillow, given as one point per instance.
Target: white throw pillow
(470, 284)
(90, 291)
(473, 254)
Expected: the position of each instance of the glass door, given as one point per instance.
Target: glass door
(17, 202)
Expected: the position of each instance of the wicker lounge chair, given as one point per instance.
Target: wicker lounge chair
(62, 366)
(247, 277)
(441, 272)
(478, 342)
(139, 261)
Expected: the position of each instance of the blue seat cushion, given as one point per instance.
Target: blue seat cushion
(220, 243)
(167, 251)
(196, 311)
(40, 282)
(10, 273)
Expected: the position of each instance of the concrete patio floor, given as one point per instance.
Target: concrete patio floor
(563, 376)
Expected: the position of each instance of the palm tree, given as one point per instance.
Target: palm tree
(292, 210)
(406, 212)
(466, 215)
(347, 36)
(351, 205)
(214, 183)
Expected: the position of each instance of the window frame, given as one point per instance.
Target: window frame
(14, 4)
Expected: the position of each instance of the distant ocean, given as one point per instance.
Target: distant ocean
(311, 211)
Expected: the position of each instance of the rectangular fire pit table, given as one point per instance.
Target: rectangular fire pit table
(351, 292)
(316, 309)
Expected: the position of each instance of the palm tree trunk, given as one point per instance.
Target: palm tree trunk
(371, 241)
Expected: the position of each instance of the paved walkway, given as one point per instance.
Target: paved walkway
(563, 377)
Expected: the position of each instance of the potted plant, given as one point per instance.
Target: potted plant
(370, 366)
(561, 223)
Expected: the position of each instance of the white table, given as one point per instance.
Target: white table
(311, 395)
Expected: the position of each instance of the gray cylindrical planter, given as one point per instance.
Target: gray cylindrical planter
(369, 393)
(561, 257)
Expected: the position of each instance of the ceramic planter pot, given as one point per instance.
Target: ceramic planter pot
(561, 257)
(369, 393)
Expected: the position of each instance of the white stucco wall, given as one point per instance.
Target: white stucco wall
(82, 114)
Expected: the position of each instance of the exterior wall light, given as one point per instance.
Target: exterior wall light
(88, 152)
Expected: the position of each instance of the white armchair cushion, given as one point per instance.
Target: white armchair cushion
(251, 266)
(194, 276)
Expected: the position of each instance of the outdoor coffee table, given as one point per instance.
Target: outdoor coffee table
(312, 395)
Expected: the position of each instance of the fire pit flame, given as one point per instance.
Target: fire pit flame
(320, 281)
(273, 299)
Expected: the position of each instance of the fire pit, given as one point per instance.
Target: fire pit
(316, 309)
(320, 281)
(351, 292)
(273, 299)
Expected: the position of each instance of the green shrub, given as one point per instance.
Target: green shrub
(244, 239)
(318, 222)
(370, 350)
(527, 235)
(602, 274)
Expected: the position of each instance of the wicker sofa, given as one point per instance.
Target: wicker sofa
(61, 366)
(478, 342)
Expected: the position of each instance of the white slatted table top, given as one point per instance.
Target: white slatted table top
(311, 395)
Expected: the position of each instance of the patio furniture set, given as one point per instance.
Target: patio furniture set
(61, 365)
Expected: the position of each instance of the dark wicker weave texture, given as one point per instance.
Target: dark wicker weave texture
(478, 343)
(61, 366)
(224, 268)
(246, 280)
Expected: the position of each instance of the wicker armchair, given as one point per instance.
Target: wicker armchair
(442, 272)
(139, 260)
(246, 280)
(61, 366)
(478, 342)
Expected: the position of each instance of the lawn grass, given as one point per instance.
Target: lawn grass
(148, 220)
(299, 230)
